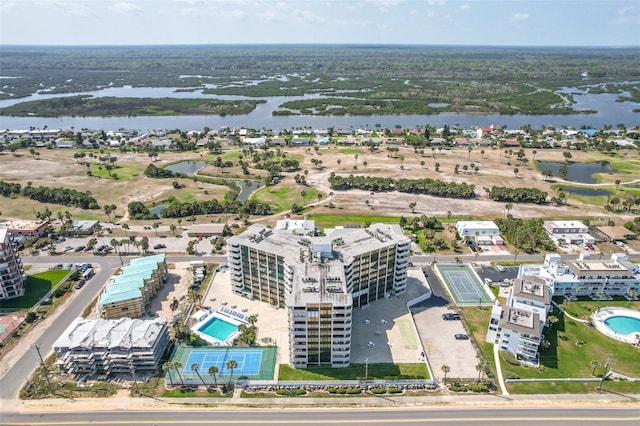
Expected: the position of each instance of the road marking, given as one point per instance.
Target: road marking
(351, 421)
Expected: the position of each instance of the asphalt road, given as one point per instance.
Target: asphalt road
(531, 416)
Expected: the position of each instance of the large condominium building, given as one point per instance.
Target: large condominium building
(518, 326)
(595, 278)
(12, 276)
(319, 280)
(109, 347)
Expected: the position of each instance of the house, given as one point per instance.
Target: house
(206, 230)
(277, 142)
(568, 231)
(296, 141)
(483, 232)
(614, 233)
(25, 228)
(84, 227)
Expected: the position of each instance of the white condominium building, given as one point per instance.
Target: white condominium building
(518, 326)
(12, 275)
(319, 280)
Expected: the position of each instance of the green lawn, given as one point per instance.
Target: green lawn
(584, 308)
(572, 347)
(327, 221)
(123, 171)
(355, 372)
(282, 197)
(36, 287)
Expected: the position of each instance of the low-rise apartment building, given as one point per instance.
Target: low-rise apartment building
(128, 293)
(568, 231)
(319, 280)
(12, 275)
(112, 347)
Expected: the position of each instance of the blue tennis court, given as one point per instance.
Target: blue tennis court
(248, 361)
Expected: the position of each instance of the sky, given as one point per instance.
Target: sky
(420, 22)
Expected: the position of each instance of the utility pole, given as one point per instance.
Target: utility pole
(366, 371)
(44, 368)
(607, 371)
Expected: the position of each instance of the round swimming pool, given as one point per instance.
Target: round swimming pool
(622, 324)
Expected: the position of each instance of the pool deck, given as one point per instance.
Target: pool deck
(601, 315)
(210, 339)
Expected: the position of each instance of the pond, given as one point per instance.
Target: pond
(191, 167)
(587, 192)
(577, 172)
(157, 209)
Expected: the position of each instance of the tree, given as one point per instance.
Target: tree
(173, 228)
(167, 367)
(356, 162)
(412, 206)
(567, 155)
(617, 183)
(480, 369)
(445, 369)
(422, 164)
(516, 171)
(195, 367)
(155, 226)
(213, 370)
(507, 209)
(594, 364)
(177, 365)
(563, 171)
(469, 156)
(231, 365)
(125, 228)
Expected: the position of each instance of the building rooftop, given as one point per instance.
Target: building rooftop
(522, 321)
(481, 224)
(532, 287)
(120, 333)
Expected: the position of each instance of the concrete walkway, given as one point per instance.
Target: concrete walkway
(496, 358)
(568, 315)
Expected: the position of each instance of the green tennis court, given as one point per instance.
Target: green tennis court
(462, 284)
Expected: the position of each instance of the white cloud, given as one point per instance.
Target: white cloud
(126, 7)
(73, 7)
(520, 17)
(625, 10)
(465, 6)
(436, 2)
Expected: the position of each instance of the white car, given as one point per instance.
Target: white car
(499, 268)
(620, 244)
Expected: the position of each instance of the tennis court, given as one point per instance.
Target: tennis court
(254, 363)
(462, 285)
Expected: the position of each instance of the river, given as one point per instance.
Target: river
(609, 112)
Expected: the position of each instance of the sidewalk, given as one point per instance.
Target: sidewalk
(129, 403)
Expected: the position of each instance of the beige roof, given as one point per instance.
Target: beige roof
(615, 232)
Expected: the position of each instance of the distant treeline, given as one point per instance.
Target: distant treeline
(139, 211)
(88, 106)
(63, 196)
(413, 186)
(518, 195)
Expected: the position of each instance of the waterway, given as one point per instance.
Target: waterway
(609, 112)
(577, 172)
(191, 167)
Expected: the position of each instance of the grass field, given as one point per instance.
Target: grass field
(284, 196)
(572, 348)
(36, 287)
(355, 372)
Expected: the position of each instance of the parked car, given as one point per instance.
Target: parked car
(58, 266)
(620, 244)
(450, 317)
(590, 246)
(68, 248)
(461, 336)
(79, 284)
(159, 246)
(79, 248)
(499, 268)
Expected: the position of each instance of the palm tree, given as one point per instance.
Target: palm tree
(507, 209)
(231, 364)
(445, 369)
(595, 364)
(172, 228)
(167, 367)
(155, 226)
(213, 370)
(194, 367)
(177, 365)
(125, 227)
(480, 369)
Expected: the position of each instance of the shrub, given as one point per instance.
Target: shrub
(394, 390)
(291, 392)
(354, 391)
(378, 391)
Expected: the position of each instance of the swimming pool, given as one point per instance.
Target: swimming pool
(218, 328)
(623, 324)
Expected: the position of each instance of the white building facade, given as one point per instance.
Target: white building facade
(319, 280)
(12, 274)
